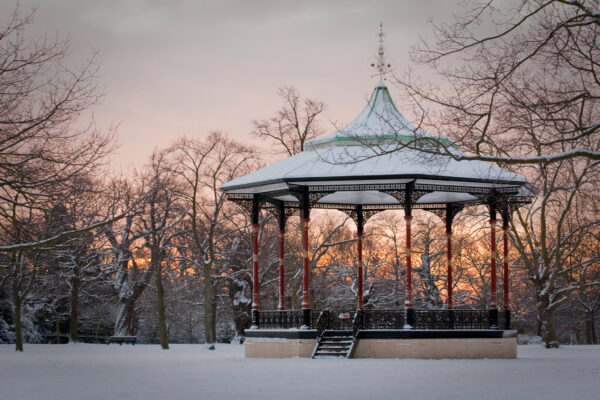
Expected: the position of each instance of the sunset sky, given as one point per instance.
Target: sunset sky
(184, 67)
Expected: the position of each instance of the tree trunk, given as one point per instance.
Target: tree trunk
(546, 317)
(57, 327)
(241, 304)
(97, 328)
(160, 304)
(590, 329)
(74, 318)
(190, 327)
(210, 318)
(125, 323)
(18, 324)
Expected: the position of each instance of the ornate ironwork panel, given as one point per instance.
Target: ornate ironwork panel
(276, 319)
(451, 319)
(398, 194)
(432, 319)
(502, 323)
(355, 187)
(333, 320)
(471, 319)
(240, 196)
(448, 212)
(474, 190)
(315, 197)
(322, 320)
(398, 191)
(384, 319)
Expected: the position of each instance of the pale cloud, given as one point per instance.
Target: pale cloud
(189, 67)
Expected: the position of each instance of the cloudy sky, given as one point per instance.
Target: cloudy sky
(188, 67)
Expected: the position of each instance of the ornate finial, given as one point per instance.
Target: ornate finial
(381, 65)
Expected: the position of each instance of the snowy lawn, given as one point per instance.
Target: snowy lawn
(89, 371)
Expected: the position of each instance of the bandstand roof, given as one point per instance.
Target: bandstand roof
(342, 169)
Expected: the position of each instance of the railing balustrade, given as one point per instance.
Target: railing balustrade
(380, 319)
(280, 319)
(433, 319)
(471, 319)
(451, 319)
(383, 319)
(335, 320)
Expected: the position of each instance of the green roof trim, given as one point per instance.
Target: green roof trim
(402, 138)
(382, 99)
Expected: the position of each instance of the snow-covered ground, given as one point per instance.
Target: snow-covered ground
(87, 371)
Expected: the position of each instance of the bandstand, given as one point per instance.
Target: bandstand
(341, 171)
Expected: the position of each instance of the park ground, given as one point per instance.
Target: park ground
(96, 371)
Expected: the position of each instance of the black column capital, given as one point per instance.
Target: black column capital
(255, 210)
(304, 203)
(360, 221)
(408, 198)
(280, 214)
(492, 203)
(505, 212)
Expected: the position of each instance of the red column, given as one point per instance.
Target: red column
(255, 285)
(281, 270)
(449, 270)
(505, 264)
(408, 301)
(305, 296)
(493, 262)
(359, 245)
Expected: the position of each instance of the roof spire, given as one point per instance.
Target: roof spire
(381, 64)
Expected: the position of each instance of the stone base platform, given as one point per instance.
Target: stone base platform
(268, 343)
(393, 343)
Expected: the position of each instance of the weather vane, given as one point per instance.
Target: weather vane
(381, 65)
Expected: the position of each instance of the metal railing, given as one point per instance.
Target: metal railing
(383, 319)
(341, 320)
(471, 319)
(322, 320)
(280, 319)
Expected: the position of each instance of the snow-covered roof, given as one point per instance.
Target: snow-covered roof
(379, 122)
(348, 156)
(338, 162)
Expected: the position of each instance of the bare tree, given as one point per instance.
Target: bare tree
(42, 143)
(130, 279)
(296, 122)
(518, 83)
(390, 233)
(429, 273)
(20, 269)
(205, 165)
(78, 257)
(162, 212)
(587, 300)
(553, 236)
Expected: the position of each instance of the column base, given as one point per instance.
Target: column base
(493, 318)
(409, 318)
(255, 319)
(306, 318)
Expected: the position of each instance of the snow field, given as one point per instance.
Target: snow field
(89, 371)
